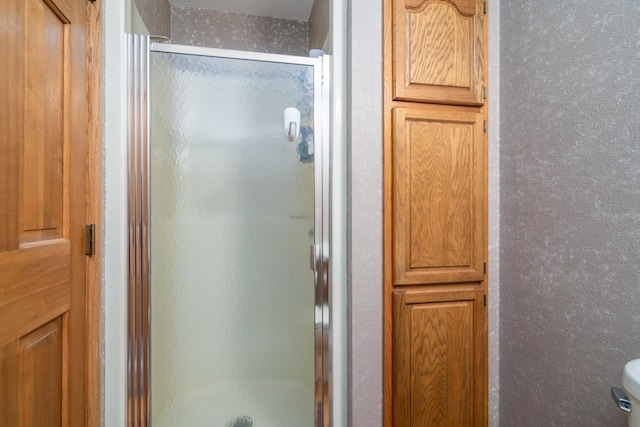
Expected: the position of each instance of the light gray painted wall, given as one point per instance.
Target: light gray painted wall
(155, 15)
(319, 21)
(494, 212)
(365, 212)
(239, 31)
(570, 209)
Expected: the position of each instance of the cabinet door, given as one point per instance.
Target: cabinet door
(439, 160)
(439, 51)
(439, 359)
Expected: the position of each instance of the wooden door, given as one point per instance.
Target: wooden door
(438, 51)
(43, 135)
(439, 193)
(439, 371)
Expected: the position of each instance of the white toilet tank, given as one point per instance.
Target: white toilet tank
(631, 384)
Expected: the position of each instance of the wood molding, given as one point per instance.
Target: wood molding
(93, 416)
(464, 7)
(387, 214)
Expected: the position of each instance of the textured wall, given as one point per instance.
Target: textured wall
(365, 212)
(227, 30)
(570, 209)
(319, 23)
(155, 15)
(494, 212)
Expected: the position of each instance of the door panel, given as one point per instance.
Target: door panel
(40, 354)
(439, 50)
(438, 348)
(37, 278)
(439, 178)
(9, 374)
(43, 146)
(11, 118)
(231, 221)
(43, 131)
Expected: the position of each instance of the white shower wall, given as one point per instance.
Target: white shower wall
(231, 224)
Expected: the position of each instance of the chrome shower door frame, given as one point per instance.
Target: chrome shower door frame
(138, 106)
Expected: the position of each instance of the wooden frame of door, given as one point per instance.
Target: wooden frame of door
(93, 410)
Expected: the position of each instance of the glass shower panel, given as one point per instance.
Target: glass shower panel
(232, 216)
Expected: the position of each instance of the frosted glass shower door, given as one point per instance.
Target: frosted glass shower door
(232, 220)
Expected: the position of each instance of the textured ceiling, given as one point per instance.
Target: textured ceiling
(290, 9)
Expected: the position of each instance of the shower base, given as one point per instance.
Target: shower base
(248, 404)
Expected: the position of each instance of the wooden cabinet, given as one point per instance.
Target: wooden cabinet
(439, 51)
(439, 349)
(439, 192)
(435, 213)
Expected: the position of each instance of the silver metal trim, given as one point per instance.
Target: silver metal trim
(621, 399)
(233, 54)
(322, 172)
(319, 272)
(327, 328)
(138, 344)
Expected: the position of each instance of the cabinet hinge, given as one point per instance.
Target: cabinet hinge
(90, 239)
(484, 126)
(484, 7)
(484, 92)
(485, 268)
(485, 300)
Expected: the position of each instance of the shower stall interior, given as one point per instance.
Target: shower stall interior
(229, 238)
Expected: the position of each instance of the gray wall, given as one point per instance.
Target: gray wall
(319, 23)
(570, 209)
(155, 15)
(494, 212)
(228, 30)
(365, 212)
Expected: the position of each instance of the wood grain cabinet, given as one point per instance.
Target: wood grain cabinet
(439, 192)
(435, 213)
(439, 51)
(439, 350)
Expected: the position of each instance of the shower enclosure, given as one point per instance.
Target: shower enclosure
(229, 238)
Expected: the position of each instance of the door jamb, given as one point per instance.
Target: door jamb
(94, 191)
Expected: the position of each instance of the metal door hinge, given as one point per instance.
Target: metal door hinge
(484, 92)
(484, 126)
(90, 239)
(485, 268)
(485, 300)
(484, 7)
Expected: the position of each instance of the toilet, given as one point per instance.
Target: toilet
(629, 399)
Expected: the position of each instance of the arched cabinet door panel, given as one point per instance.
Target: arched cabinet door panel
(439, 51)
